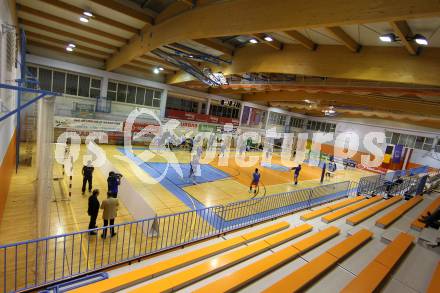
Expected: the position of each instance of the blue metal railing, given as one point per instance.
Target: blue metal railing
(39, 262)
(377, 184)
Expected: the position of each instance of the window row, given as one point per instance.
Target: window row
(277, 118)
(320, 126)
(296, 122)
(64, 82)
(176, 103)
(411, 141)
(133, 94)
(224, 111)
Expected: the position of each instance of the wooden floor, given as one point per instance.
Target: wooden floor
(69, 214)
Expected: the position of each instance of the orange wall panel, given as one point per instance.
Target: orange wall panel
(7, 167)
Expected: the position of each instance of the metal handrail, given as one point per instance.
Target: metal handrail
(83, 253)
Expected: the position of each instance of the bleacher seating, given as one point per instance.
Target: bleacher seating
(434, 286)
(230, 252)
(183, 278)
(371, 277)
(309, 272)
(350, 209)
(246, 275)
(140, 275)
(365, 214)
(396, 213)
(417, 224)
(330, 208)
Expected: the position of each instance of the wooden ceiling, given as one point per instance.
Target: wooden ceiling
(309, 38)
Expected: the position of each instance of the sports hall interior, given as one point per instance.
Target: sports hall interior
(184, 100)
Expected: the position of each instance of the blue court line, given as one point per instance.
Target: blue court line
(207, 214)
(208, 173)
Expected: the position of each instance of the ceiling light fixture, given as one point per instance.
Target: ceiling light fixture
(307, 101)
(71, 45)
(191, 56)
(421, 40)
(388, 38)
(160, 68)
(69, 49)
(83, 19)
(268, 39)
(88, 13)
(156, 71)
(253, 41)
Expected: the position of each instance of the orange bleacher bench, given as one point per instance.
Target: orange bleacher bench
(416, 224)
(330, 208)
(207, 268)
(365, 214)
(434, 286)
(252, 272)
(309, 272)
(370, 278)
(120, 282)
(350, 209)
(395, 214)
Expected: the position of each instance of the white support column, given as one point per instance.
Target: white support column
(163, 103)
(287, 123)
(104, 86)
(208, 105)
(241, 114)
(267, 119)
(44, 164)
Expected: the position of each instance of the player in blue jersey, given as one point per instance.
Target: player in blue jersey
(255, 181)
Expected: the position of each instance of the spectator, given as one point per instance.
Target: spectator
(110, 207)
(113, 182)
(87, 172)
(432, 220)
(93, 210)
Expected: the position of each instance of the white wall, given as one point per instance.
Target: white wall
(7, 97)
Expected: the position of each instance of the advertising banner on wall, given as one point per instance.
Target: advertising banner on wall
(207, 128)
(397, 153)
(87, 124)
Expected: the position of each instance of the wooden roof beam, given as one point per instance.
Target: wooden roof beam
(303, 40)
(37, 37)
(138, 14)
(66, 22)
(214, 20)
(403, 31)
(273, 44)
(213, 44)
(96, 17)
(62, 50)
(74, 37)
(344, 38)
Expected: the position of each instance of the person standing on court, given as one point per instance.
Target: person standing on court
(255, 181)
(93, 210)
(296, 174)
(113, 182)
(110, 208)
(87, 172)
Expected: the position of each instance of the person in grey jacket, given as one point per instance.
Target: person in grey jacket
(110, 206)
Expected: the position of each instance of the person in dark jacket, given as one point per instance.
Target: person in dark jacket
(113, 181)
(432, 219)
(87, 172)
(93, 210)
